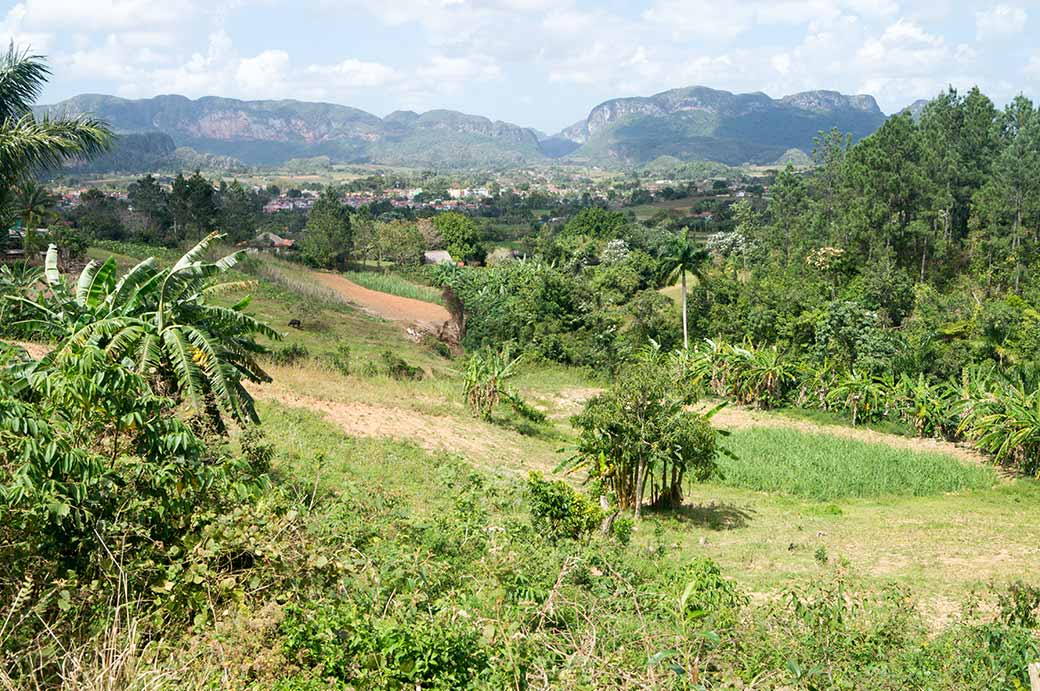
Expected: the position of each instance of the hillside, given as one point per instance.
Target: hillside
(272, 132)
(701, 123)
(693, 123)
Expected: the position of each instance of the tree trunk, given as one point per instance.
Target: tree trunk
(640, 482)
(685, 331)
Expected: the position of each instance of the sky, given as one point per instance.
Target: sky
(537, 63)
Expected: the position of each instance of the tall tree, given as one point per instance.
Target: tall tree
(239, 212)
(328, 239)
(1011, 196)
(461, 236)
(684, 257)
(150, 201)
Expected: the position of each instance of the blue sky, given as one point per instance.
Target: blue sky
(540, 63)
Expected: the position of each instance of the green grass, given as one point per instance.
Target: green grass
(395, 284)
(831, 418)
(824, 467)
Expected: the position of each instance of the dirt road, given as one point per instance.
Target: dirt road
(408, 311)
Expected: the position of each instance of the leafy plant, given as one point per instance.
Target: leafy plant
(861, 394)
(397, 368)
(487, 374)
(558, 511)
(162, 322)
(641, 434)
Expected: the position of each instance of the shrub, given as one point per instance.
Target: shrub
(397, 368)
(641, 433)
(339, 359)
(344, 642)
(486, 375)
(558, 511)
(707, 594)
(257, 451)
(289, 355)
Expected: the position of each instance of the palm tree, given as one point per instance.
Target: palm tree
(683, 257)
(28, 143)
(33, 203)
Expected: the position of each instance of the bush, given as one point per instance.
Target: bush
(344, 642)
(707, 594)
(558, 511)
(398, 369)
(339, 359)
(641, 434)
(257, 451)
(486, 375)
(289, 355)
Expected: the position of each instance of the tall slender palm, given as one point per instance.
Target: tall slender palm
(33, 204)
(28, 143)
(684, 257)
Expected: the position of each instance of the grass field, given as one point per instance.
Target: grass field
(825, 467)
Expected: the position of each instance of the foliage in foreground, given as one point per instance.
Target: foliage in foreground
(161, 322)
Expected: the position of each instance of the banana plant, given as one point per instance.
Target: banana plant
(162, 325)
(1007, 425)
(766, 377)
(861, 394)
(927, 407)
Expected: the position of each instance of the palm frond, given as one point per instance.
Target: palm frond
(194, 255)
(28, 144)
(95, 283)
(181, 354)
(22, 76)
(211, 363)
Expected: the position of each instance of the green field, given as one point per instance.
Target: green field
(825, 467)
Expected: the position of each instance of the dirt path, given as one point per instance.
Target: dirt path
(482, 444)
(391, 307)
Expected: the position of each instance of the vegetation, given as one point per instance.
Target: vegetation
(641, 432)
(826, 467)
(486, 377)
(328, 239)
(461, 237)
(682, 259)
(395, 284)
(29, 143)
(162, 528)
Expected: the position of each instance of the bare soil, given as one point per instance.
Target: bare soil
(426, 316)
(483, 444)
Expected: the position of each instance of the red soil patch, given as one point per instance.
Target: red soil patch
(409, 311)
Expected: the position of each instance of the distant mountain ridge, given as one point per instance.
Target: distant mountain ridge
(271, 132)
(692, 123)
(701, 123)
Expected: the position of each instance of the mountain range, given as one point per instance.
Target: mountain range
(693, 123)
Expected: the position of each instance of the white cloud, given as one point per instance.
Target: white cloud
(444, 69)
(255, 75)
(13, 27)
(999, 21)
(104, 15)
(358, 73)
(1032, 67)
